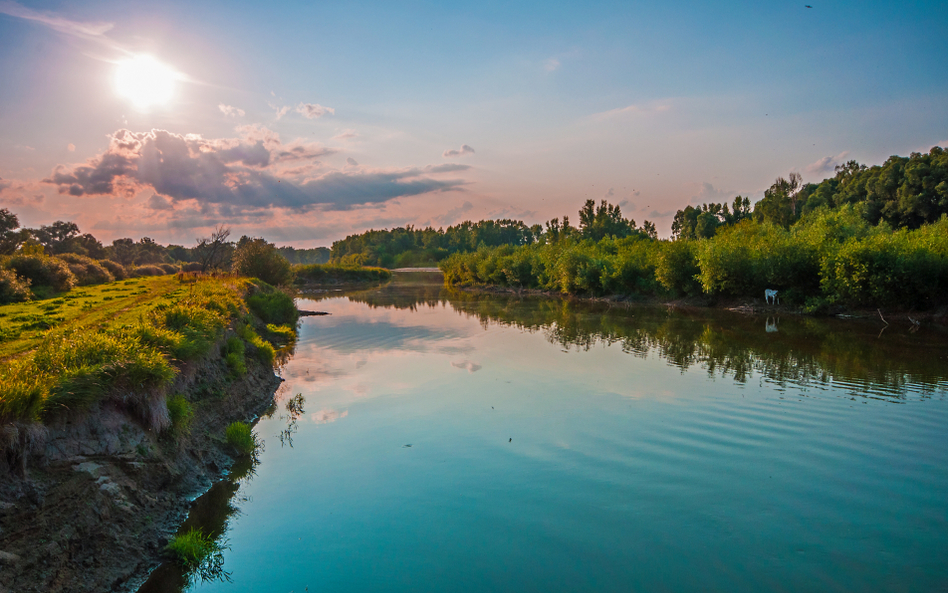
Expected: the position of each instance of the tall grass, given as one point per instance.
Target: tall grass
(240, 436)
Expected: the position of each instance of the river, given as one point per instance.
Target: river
(430, 440)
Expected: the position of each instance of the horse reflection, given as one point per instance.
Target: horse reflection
(771, 326)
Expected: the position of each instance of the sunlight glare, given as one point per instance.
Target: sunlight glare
(145, 82)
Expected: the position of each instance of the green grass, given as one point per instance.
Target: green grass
(181, 413)
(192, 548)
(240, 436)
(130, 343)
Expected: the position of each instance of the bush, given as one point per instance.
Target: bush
(117, 270)
(258, 259)
(240, 436)
(262, 349)
(191, 267)
(139, 271)
(274, 307)
(677, 268)
(42, 270)
(169, 268)
(339, 274)
(86, 270)
(12, 288)
(181, 413)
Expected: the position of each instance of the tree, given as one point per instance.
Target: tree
(122, 251)
(605, 220)
(213, 252)
(258, 259)
(10, 237)
(56, 236)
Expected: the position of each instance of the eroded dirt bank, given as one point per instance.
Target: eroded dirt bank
(99, 502)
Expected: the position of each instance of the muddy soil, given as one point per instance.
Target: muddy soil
(99, 503)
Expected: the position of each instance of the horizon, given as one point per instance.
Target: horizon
(305, 124)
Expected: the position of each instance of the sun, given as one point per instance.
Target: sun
(145, 82)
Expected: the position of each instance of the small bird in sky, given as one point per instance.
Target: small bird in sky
(808, 6)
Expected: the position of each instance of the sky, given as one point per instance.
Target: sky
(304, 122)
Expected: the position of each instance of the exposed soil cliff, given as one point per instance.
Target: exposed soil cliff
(99, 502)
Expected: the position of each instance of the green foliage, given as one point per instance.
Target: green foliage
(261, 348)
(677, 268)
(338, 274)
(86, 270)
(181, 413)
(12, 288)
(233, 352)
(282, 333)
(117, 270)
(273, 306)
(192, 548)
(256, 258)
(42, 270)
(240, 436)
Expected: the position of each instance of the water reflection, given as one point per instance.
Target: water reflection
(803, 351)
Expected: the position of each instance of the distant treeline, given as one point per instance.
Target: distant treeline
(866, 237)
(408, 246)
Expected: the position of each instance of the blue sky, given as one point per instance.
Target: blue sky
(651, 105)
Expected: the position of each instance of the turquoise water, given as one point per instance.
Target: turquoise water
(483, 443)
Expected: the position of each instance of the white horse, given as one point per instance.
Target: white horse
(770, 296)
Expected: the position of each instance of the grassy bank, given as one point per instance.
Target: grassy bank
(125, 340)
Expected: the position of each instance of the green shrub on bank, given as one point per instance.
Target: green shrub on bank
(339, 274)
(13, 289)
(240, 436)
(677, 267)
(255, 258)
(262, 349)
(117, 270)
(273, 306)
(42, 270)
(181, 413)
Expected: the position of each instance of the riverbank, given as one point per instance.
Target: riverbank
(101, 466)
(743, 305)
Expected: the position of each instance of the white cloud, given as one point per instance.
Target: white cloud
(465, 149)
(231, 111)
(345, 135)
(328, 415)
(314, 110)
(71, 147)
(551, 64)
(454, 214)
(709, 193)
(826, 164)
(55, 22)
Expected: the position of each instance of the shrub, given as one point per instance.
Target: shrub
(332, 273)
(181, 413)
(284, 333)
(139, 271)
(262, 349)
(117, 270)
(42, 270)
(258, 259)
(677, 268)
(191, 267)
(240, 436)
(274, 307)
(169, 268)
(86, 270)
(12, 288)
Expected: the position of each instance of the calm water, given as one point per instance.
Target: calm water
(481, 443)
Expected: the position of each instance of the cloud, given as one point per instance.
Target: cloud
(236, 175)
(71, 147)
(280, 111)
(511, 213)
(454, 214)
(465, 149)
(231, 111)
(328, 415)
(472, 367)
(314, 110)
(157, 202)
(551, 64)
(826, 164)
(611, 192)
(446, 168)
(657, 214)
(345, 135)
(351, 162)
(5, 184)
(651, 108)
(57, 23)
(709, 193)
